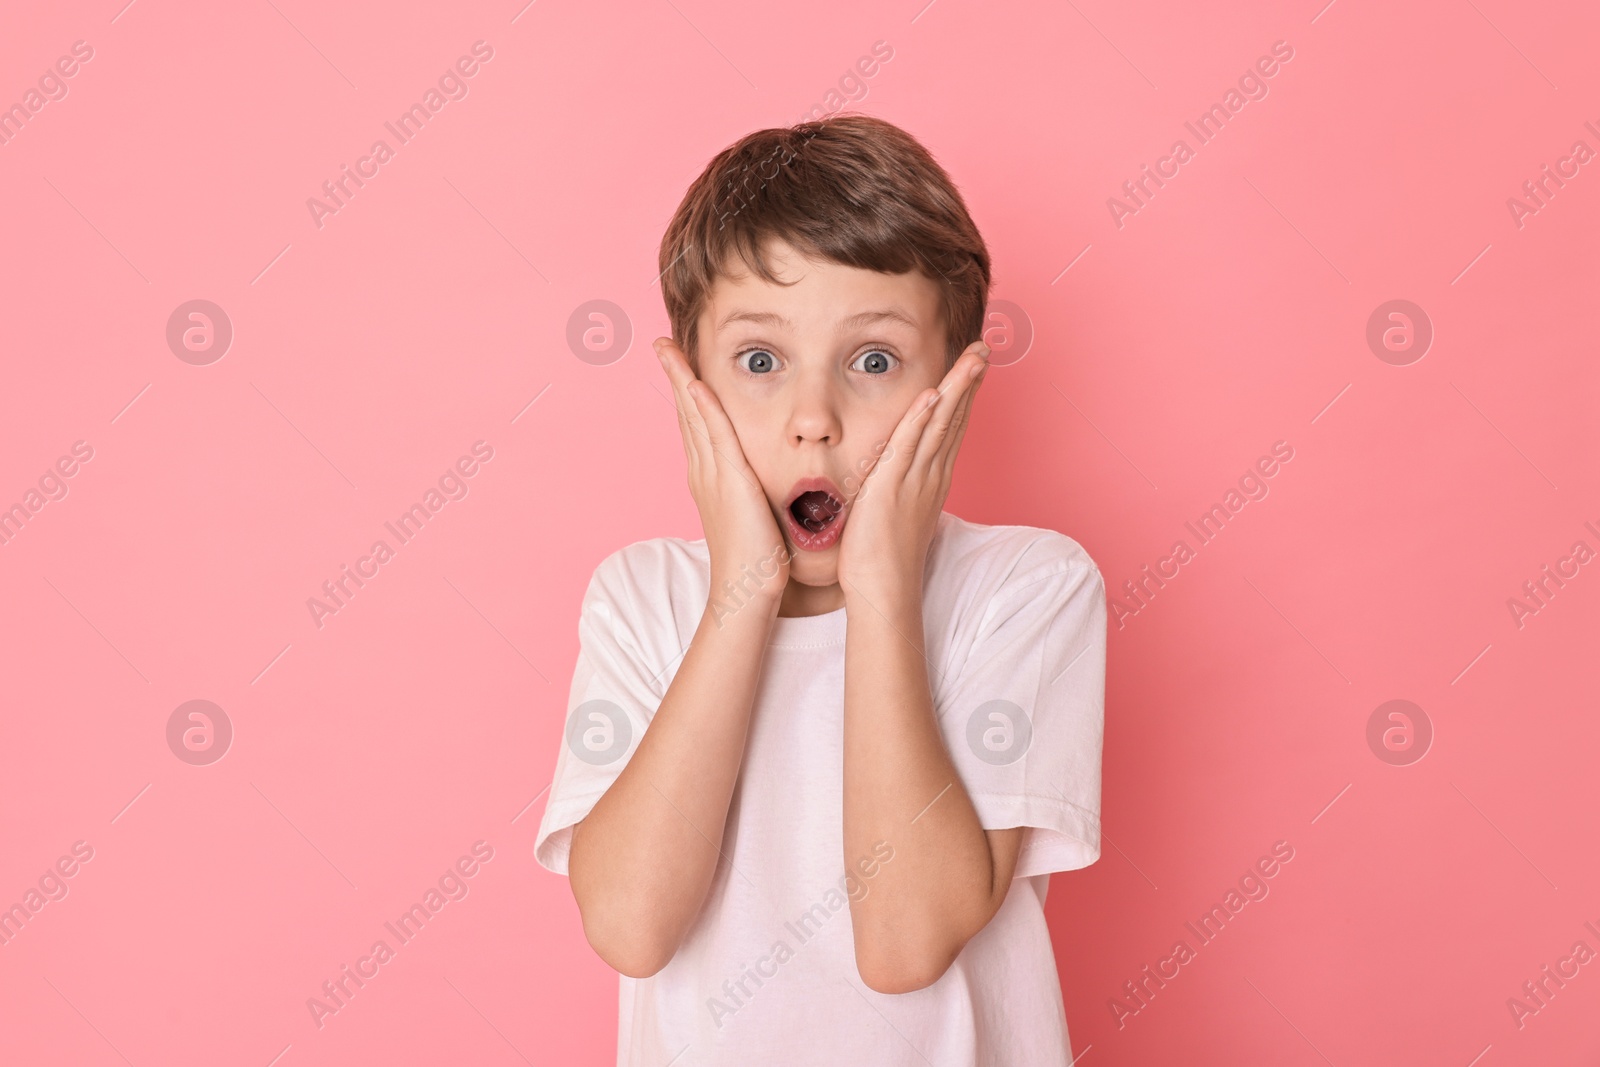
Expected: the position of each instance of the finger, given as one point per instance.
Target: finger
(956, 388)
(903, 441)
(953, 445)
(721, 436)
(679, 375)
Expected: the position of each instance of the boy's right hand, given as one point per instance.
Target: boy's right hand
(742, 535)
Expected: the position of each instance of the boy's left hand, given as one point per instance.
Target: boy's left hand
(884, 546)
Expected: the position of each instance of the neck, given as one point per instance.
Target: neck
(800, 599)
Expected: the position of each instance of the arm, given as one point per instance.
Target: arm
(949, 875)
(643, 859)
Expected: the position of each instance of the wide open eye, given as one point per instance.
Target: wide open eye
(876, 361)
(761, 361)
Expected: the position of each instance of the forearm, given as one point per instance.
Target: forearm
(643, 859)
(901, 787)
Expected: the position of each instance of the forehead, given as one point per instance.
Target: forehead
(823, 296)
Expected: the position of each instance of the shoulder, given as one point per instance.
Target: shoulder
(989, 561)
(662, 576)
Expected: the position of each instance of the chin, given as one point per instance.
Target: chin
(819, 573)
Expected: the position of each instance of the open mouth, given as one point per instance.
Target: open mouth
(815, 509)
(815, 515)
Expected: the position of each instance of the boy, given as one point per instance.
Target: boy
(843, 698)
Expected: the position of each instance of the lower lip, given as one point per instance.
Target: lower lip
(820, 541)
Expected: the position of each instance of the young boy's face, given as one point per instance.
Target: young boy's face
(815, 376)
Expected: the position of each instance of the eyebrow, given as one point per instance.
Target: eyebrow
(865, 318)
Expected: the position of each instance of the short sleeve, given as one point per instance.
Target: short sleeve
(1024, 713)
(615, 692)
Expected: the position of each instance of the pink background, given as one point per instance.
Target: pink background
(369, 354)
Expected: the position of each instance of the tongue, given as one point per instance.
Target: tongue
(815, 509)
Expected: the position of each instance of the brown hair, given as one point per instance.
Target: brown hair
(852, 189)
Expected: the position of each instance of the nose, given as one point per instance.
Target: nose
(814, 409)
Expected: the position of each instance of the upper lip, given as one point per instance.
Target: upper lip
(806, 485)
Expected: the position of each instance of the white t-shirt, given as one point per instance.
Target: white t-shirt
(767, 973)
